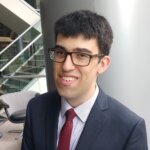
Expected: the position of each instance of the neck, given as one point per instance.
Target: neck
(74, 102)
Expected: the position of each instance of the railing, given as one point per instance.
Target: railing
(29, 6)
(19, 43)
(20, 53)
(24, 67)
(23, 76)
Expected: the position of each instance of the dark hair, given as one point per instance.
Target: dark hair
(88, 24)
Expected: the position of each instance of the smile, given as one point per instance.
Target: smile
(68, 78)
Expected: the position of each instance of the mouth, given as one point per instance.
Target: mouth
(67, 80)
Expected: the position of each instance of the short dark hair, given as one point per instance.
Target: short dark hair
(88, 24)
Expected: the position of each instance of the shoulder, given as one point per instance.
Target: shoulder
(44, 100)
(119, 119)
(122, 111)
(118, 112)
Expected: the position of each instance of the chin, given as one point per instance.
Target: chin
(65, 93)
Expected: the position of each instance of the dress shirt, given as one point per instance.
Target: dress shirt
(82, 113)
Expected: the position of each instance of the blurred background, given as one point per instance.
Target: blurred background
(128, 78)
(27, 31)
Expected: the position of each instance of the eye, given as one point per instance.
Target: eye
(59, 53)
(82, 55)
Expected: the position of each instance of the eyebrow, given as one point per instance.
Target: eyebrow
(59, 46)
(81, 50)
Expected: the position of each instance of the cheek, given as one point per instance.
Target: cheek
(56, 69)
(90, 74)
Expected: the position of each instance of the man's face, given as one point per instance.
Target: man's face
(73, 82)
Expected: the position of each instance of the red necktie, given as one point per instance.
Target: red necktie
(65, 134)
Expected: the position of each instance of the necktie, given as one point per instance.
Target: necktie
(65, 134)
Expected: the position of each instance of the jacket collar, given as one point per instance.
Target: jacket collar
(95, 122)
(93, 126)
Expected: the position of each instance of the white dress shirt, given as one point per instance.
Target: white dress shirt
(82, 113)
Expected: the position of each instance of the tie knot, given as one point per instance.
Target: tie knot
(70, 114)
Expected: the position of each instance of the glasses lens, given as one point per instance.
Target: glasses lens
(80, 59)
(51, 53)
(57, 55)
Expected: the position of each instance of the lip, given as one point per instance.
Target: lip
(67, 80)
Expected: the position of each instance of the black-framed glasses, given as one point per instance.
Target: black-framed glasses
(59, 55)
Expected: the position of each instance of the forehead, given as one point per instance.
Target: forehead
(71, 43)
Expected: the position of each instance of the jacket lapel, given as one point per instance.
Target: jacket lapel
(52, 115)
(94, 124)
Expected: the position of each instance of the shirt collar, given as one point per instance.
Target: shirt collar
(82, 110)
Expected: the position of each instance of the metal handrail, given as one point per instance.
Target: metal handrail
(23, 76)
(29, 6)
(26, 62)
(23, 33)
(14, 58)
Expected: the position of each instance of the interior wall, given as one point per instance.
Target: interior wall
(128, 77)
(21, 15)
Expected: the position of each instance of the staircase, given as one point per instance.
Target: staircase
(18, 15)
(22, 60)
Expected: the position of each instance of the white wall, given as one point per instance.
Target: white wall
(21, 9)
(128, 78)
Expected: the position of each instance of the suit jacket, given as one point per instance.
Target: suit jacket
(110, 125)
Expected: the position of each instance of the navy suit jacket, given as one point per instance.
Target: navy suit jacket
(110, 125)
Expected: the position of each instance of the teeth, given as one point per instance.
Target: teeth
(68, 78)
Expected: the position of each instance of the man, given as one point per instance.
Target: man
(99, 122)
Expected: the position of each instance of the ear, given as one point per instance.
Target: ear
(103, 65)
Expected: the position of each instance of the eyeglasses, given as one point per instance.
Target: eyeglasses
(59, 55)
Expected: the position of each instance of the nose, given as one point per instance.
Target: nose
(68, 64)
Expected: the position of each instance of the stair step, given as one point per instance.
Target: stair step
(41, 52)
(36, 62)
(31, 69)
(39, 57)
(20, 84)
(24, 73)
(11, 86)
(18, 81)
(28, 67)
(3, 62)
(8, 89)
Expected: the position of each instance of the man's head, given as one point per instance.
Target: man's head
(83, 40)
(89, 25)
